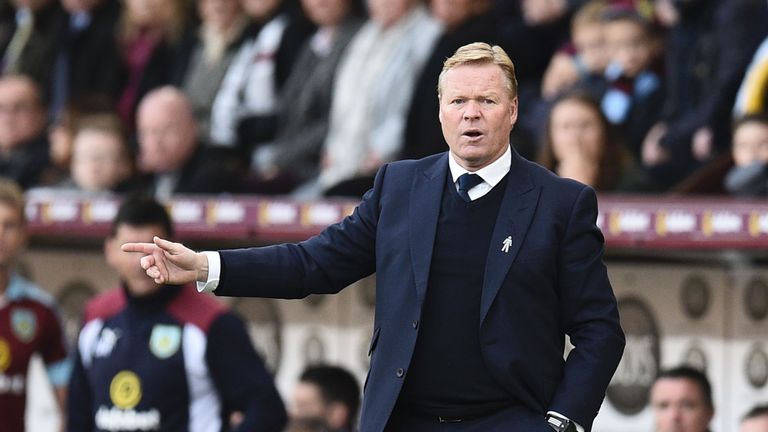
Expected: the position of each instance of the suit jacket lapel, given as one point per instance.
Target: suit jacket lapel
(515, 214)
(424, 210)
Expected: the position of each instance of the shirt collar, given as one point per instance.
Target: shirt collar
(491, 174)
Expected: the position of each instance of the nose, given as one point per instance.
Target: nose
(471, 111)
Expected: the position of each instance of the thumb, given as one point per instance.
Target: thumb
(167, 246)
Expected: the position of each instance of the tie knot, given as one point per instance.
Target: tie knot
(467, 181)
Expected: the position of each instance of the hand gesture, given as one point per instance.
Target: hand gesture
(167, 262)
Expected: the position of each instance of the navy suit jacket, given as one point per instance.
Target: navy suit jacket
(551, 282)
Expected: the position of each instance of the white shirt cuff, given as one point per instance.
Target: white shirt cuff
(214, 272)
(578, 427)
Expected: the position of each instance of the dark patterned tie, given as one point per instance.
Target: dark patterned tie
(466, 182)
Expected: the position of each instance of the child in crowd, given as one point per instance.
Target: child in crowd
(100, 159)
(634, 95)
(582, 61)
(749, 176)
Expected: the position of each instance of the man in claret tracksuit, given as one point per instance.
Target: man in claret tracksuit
(153, 357)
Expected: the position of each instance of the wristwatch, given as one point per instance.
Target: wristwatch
(560, 424)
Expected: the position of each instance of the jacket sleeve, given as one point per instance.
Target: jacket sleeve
(342, 254)
(589, 315)
(241, 379)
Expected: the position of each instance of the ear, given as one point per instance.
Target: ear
(513, 111)
(109, 250)
(440, 108)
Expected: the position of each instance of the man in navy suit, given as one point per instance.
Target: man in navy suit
(484, 263)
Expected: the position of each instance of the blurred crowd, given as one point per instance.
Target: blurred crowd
(311, 97)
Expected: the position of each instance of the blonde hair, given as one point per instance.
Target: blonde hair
(589, 15)
(12, 196)
(479, 53)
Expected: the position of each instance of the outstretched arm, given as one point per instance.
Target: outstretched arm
(167, 262)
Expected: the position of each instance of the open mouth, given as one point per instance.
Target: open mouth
(472, 133)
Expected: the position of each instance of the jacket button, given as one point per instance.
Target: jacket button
(400, 372)
(415, 324)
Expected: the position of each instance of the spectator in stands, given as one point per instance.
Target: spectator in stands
(101, 160)
(169, 152)
(752, 97)
(756, 420)
(31, 326)
(293, 157)
(441, 366)
(149, 33)
(23, 144)
(86, 60)
(245, 108)
(28, 39)
(749, 176)
(327, 393)
(61, 136)
(206, 53)
(716, 40)
(681, 399)
(582, 145)
(583, 61)
(151, 355)
(373, 90)
(464, 21)
(635, 94)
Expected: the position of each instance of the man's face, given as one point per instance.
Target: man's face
(126, 264)
(388, 12)
(218, 14)
(679, 406)
(167, 136)
(12, 235)
(755, 424)
(325, 12)
(476, 114)
(21, 117)
(307, 402)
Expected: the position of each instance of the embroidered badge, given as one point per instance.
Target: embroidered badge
(125, 389)
(506, 244)
(24, 323)
(165, 340)
(106, 343)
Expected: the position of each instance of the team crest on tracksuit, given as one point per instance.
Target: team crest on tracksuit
(24, 323)
(165, 340)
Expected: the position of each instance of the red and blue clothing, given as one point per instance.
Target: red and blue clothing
(175, 361)
(29, 325)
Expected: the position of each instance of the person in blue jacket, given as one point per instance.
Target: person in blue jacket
(484, 262)
(162, 357)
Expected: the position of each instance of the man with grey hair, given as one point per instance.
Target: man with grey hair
(23, 144)
(484, 262)
(169, 153)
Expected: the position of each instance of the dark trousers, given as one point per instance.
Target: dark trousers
(514, 419)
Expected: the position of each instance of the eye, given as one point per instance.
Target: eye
(489, 101)
(457, 101)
